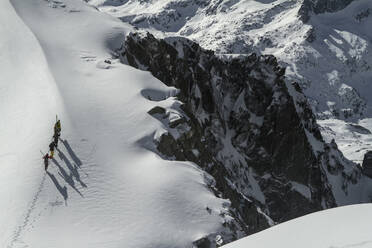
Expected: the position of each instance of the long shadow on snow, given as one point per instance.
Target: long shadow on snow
(68, 178)
(62, 190)
(73, 168)
(72, 153)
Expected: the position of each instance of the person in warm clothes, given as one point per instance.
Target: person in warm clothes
(46, 161)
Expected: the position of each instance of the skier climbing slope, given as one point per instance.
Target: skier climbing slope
(57, 128)
(46, 161)
(102, 188)
(29, 100)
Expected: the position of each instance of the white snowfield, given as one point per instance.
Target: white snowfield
(343, 227)
(103, 189)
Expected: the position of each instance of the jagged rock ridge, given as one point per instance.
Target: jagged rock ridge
(240, 122)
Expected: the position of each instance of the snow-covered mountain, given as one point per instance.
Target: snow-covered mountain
(328, 55)
(168, 144)
(333, 74)
(240, 122)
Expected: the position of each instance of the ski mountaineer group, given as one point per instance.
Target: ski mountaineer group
(53, 144)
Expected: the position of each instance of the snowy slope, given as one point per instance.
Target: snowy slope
(339, 227)
(103, 189)
(26, 114)
(329, 55)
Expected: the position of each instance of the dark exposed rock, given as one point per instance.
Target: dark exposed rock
(256, 135)
(367, 164)
(156, 110)
(202, 243)
(363, 15)
(311, 35)
(321, 6)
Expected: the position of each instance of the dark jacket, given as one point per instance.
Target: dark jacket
(52, 145)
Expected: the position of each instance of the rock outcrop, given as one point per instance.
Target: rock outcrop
(367, 164)
(245, 126)
(321, 6)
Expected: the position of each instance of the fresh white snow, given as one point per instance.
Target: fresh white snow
(342, 227)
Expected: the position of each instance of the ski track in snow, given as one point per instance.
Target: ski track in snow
(22, 227)
(72, 167)
(360, 244)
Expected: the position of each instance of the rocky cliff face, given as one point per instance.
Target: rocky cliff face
(328, 56)
(321, 6)
(241, 123)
